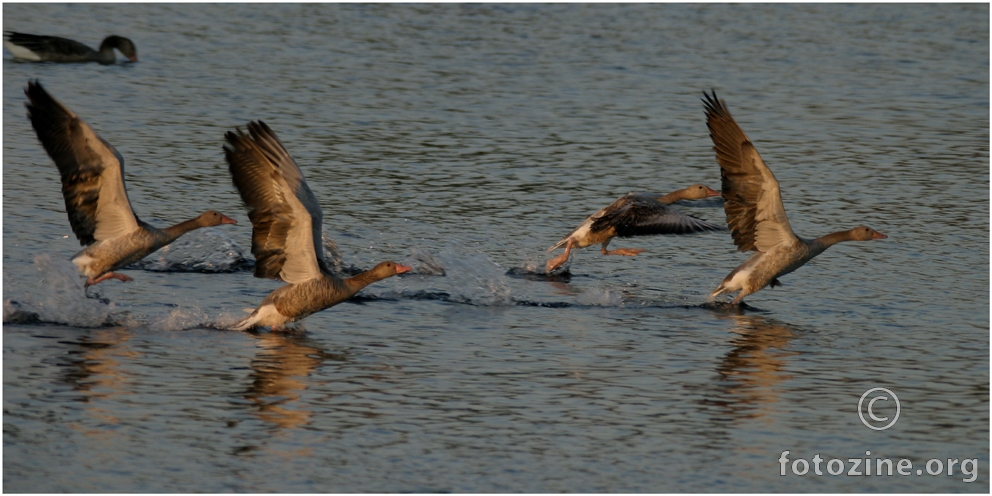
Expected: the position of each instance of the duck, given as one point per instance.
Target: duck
(286, 226)
(635, 214)
(37, 48)
(96, 200)
(755, 213)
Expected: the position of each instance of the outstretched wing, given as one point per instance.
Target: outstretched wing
(92, 170)
(753, 203)
(285, 216)
(635, 215)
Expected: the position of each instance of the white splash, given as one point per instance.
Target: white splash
(59, 296)
(472, 277)
(203, 250)
(600, 297)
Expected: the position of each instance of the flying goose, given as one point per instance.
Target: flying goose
(755, 213)
(634, 215)
(286, 226)
(95, 198)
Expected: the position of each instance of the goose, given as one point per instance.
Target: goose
(95, 197)
(755, 214)
(634, 214)
(54, 49)
(286, 226)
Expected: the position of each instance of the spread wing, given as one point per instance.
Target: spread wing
(92, 170)
(635, 215)
(285, 216)
(753, 203)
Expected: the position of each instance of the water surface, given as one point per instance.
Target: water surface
(476, 136)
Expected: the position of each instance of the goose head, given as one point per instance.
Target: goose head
(212, 218)
(865, 233)
(123, 44)
(698, 192)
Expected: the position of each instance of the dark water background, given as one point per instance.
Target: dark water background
(476, 136)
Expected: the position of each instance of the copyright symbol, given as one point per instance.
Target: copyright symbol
(879, 408)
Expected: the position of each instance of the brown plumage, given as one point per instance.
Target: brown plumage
(755, 214)
(96, 201)
(634, 215)
(286, 227)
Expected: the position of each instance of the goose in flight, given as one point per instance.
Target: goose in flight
(286, 226)
(634, 215)
(95, 198)
(755, 214)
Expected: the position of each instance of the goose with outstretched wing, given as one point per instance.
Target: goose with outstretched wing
(286, 227)
(755, 214)
(96, 201)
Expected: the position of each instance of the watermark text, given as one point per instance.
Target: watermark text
(966, 468)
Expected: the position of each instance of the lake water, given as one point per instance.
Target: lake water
(472, 137)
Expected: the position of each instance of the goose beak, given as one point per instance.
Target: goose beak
(711, 191)
(227, 220)
(133, 59)
(402, 269)
(878, 235)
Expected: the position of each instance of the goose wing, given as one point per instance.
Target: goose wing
(92, 170)
(636, 215)
(285, 216)
(753, 203)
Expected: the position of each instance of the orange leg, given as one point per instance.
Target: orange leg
(107, 275)
(556, 262)
(627, 252)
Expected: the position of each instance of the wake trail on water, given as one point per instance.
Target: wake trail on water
(453, 275)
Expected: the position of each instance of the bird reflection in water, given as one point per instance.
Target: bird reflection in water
(750, 373)
(95, 371)
(279, 376)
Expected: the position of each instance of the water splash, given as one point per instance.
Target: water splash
(425, 263)
(468, 277)
(59, 297)
(332, 256)
(472, 277)
(204, 250)
(600, 297)
(183, 318)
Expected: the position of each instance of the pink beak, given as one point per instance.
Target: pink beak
(133, 59)
(402, 269)
(711, 191)
(227, 220)
(878, 235)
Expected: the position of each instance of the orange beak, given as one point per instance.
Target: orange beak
(711, 191)
(402, 269)
(227, 220)
(878, 235)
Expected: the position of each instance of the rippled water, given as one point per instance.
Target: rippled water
(464, 140)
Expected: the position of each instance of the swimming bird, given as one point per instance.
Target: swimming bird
(95, 197)
(755, 214)
(54, 49)
(286, 226)
(635, 214)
